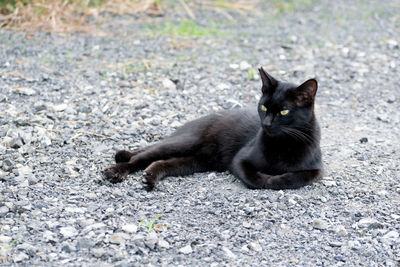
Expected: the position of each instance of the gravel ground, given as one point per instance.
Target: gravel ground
(68, 102)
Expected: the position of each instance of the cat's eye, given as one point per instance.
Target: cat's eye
(264, 108)
(284, 112)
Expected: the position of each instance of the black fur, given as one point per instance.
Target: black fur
(264, 150)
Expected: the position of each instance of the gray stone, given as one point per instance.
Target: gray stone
(229, 253)
(151, 240)
(370, 223)
(341, 230)
(4, 210)
(255, 246)
(66, 248)
(84, 243)
(15, 142)
(118, 238)
(320, 224)
(391, 237)
(354, 244)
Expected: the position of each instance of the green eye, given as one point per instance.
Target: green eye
(264, 108)
(284, 112)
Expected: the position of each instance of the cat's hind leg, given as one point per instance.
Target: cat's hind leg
(179, 146)
(170, 167)
(125, 156)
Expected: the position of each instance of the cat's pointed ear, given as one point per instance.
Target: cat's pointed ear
(268, 82)
(306, 92)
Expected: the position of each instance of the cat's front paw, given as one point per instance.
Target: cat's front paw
(114, 174)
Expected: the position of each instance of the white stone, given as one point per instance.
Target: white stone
(5, 239)
(244, 65)
(97, 252)
(49, 236)
(245, 249)
(26, 91)
(229, 253)
(163, 243)
(186, 249)
(20, 257)
(3, 174)
(75, 210)
(222, 86)
(68, 231)
(60, 107)
(167, 83)
(328, 183)
(130, 228)
(246, 224)
(395, 216)
(24, 183)
(391, 235)
(94, 226)
(392, 43)
(24, 170)
(234, 66)
(91, 195)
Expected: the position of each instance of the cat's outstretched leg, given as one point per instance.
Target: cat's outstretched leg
(175, 147)
(125, 156)
(171, 167)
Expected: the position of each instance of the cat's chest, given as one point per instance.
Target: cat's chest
(277, 159)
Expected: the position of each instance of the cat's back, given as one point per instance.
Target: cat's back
(227, 122)
(219, 136)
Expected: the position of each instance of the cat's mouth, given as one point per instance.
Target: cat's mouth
(269, 131)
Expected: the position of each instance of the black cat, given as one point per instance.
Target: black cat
(277, 148)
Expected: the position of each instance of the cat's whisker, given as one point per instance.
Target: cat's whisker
(300, 135)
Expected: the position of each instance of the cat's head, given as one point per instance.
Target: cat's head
(285, 108)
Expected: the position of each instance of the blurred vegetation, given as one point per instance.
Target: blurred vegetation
(66, 15)
(186, 28)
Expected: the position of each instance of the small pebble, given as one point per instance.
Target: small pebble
(186, 249)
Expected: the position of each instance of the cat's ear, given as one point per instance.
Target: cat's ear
(305, 93)
(268, 82)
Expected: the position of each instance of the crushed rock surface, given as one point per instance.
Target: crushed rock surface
(69, 102)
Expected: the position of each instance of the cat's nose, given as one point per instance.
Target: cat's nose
(267, 121)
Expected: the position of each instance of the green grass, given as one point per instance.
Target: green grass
(186, 28)
(292, 5)
(252, 73)
(151, 225)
